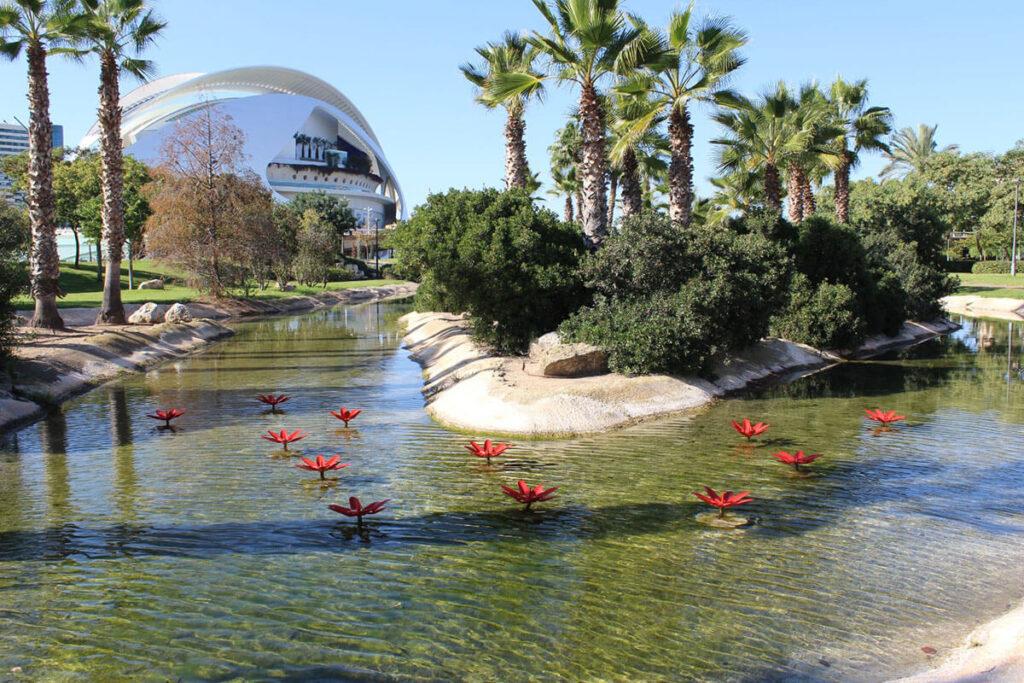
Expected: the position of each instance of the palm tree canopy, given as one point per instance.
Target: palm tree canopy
(123, 29)
(512, 55)
(55, 23)
(910, 149)
(864, 128)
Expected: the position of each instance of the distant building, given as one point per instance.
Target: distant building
(14, 140)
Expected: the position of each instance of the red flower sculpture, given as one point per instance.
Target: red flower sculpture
(272, 401)
(884, 418)
(357, 510)
(346, 415)
(283, 437)
(524, 494)
(322, 465)
(166, 416)
(724, 501)
(796, 459)
(749, 431)
(487, 449)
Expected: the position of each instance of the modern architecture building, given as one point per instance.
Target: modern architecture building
(14, 140)
(301, 133)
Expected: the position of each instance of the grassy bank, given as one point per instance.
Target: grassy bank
(84, 291)
(992, 285)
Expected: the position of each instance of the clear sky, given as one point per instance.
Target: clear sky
(931, 61)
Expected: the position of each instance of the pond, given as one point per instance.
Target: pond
(130, 552)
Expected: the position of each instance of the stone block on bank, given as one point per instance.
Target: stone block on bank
(556, 359)
(152, 284)
(178, 313)
(149, 313)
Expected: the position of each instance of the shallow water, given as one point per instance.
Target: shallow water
(127, 552)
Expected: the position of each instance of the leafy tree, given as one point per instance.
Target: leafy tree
(910, 150)
(14, 239)
(334, 210)
(317, 248)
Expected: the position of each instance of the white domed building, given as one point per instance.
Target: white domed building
(301, 133)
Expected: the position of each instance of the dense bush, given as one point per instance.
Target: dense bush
(991, 267)
(511, 266)
(919, 284)
(823, 315)
(14, 237)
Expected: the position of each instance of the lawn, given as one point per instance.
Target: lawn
(84, 291)
(992, 285)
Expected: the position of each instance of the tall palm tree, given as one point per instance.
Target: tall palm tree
(635, 151)
(863, 128)
(512, 55)
(41, 27)
(119, 30)
(814, 161)
(565, 157)
(693, 64)
(589, 40)
(910, 149)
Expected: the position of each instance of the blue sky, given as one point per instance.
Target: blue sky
(935, 61)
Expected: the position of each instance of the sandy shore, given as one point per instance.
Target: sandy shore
(470, 390)
(985, 307)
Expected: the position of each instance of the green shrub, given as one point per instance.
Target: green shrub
(991, 267)
(923, 285)
(823, 315)
(512, 266)
(14, 238)
(829, 252)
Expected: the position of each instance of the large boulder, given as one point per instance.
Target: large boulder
(178, 313)
(555, 359)
(148, 313)
(152, 284)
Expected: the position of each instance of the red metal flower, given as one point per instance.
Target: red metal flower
(357, 510)
(796, 459)
(322, 464)
(748, 430)
(166, 415)
(272, 400)
(724, 500)
(283, 437)
(487, 449)
(885, 418)
(524, 494)
(346, 415)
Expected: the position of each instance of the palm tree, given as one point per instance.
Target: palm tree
(910, 150)
(119, 30)
(811, 106)
(41, 27)
(589, 40)
(862, 128)
(565, 157)
(736, 193)
(513, 55)
(635, 151)
(692, 65)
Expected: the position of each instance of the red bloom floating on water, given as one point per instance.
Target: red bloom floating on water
(524, 494)
(283, 437)
(885, 418)
(346, 415)
(724, 501)
(357, 510)
(796, 459)
(272, 400)
(487, 449)
(322, 464)
(749, 431)
(166, 415)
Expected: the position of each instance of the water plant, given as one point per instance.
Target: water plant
(528, 496)
(346, 415)
(283, 437)
(272, 400)
(357, 509)
(322, 465)
(725, 500)
(884, 418)
(487, 449)
(748, 430)
(796, 459)
(166, 416)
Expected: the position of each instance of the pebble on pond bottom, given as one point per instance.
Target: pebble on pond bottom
(729, 521)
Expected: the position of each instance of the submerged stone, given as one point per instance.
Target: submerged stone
(729, 521)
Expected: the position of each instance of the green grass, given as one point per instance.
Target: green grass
(85, 291)
(992, 285)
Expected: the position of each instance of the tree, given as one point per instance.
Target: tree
(317, 243)
(118, 31)
(512, 55)
(863, 128)
(41, 27)
(14, 238)
(565, 154)
(810, 107)
(910, 150)
(332, 209)
(693, 65)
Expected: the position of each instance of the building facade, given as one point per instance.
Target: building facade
(301, 134)
(14, 140)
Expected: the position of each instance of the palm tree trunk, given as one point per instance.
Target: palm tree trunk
(613, 188)
(773, 188)
(680, 169)
(843, 189)
(807, 197)
(632, 195)
(78, 247)
(517, 169)
(44, 259)
(593, 167)
(567, 212)
(794, 200)
(112, 176)
(579, 206)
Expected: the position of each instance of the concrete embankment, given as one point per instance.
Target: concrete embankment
(985, 306)
(469, 389)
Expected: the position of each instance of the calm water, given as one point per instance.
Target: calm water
(128, 553)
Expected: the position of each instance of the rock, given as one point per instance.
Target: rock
(148, 313)
(178, 313)
(152, 284)
(556, 359)
(286, 287)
